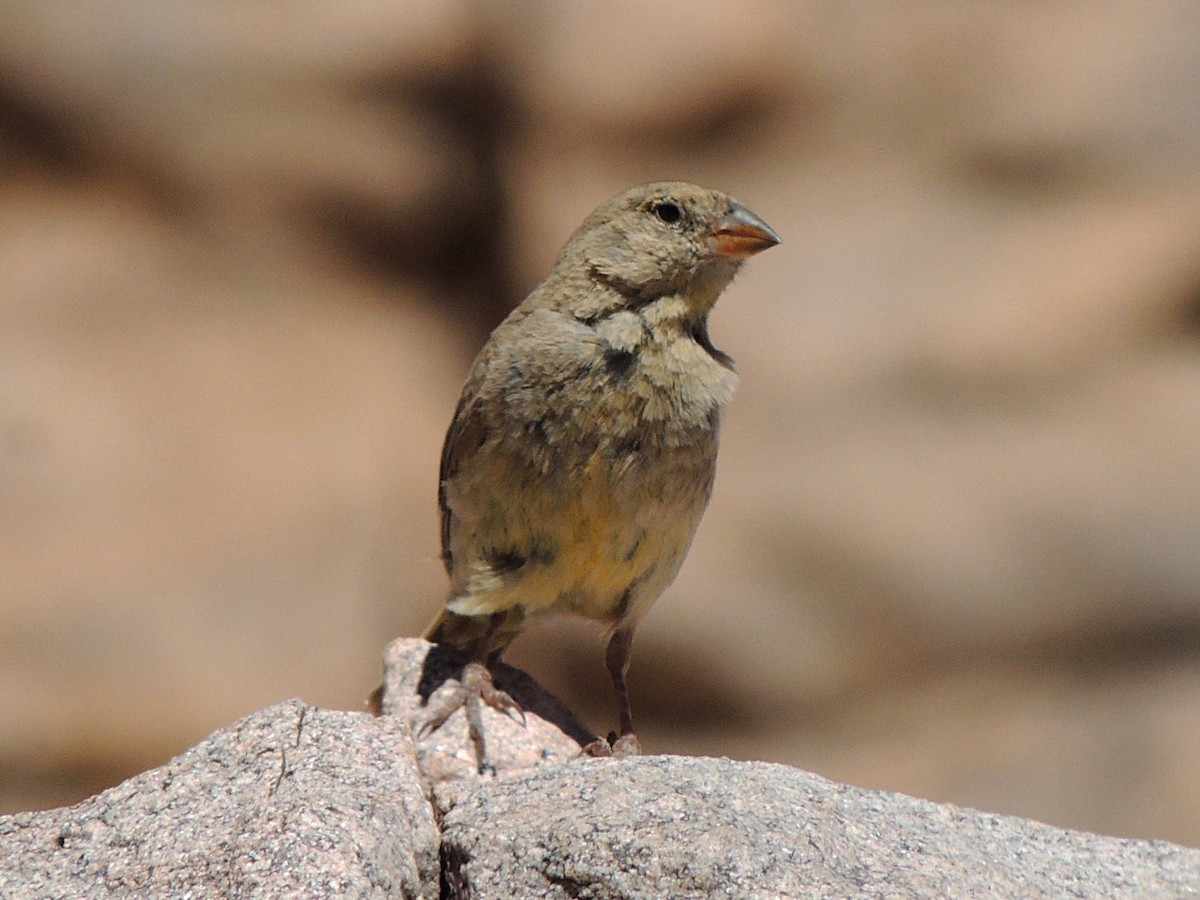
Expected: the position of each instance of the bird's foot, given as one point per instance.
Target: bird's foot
(625, 745)
(474, 687)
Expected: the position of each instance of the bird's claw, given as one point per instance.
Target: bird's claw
(474, 687)
(625, 745)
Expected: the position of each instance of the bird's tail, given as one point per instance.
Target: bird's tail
(465, 632)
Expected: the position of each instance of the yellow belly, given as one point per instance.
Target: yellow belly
(600, 543)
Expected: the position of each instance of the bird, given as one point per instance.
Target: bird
(582, 452)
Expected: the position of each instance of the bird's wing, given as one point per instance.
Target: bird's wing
(565, 350)
(466, 434)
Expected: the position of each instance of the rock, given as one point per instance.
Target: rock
(300, 801)
(681, 827)
(290, 801)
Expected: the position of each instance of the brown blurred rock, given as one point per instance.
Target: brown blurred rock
(177, 429)
(953, 545)
(213, 383)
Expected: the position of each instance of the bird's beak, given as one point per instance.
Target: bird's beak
(741, 234)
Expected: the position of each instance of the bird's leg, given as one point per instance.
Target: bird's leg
(616, 658)
(475, 685)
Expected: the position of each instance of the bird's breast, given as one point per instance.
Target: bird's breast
(587, 491)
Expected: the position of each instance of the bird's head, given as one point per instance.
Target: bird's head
(668, 239)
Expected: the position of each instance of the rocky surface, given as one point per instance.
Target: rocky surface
(300, 801)
(249, 250)
(673, 826)
(291, 801)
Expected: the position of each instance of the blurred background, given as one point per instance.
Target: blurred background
(247, 252)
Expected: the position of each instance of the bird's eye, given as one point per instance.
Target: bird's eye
(667, 212)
